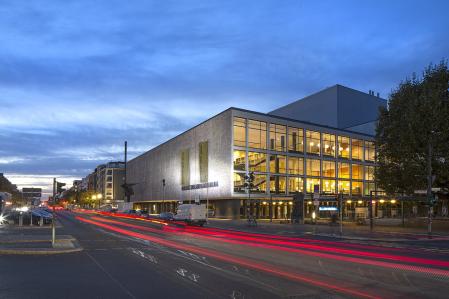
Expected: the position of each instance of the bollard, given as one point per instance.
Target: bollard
(20, 219)
(41, 221)
(31, 219)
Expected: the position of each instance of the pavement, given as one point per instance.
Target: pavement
(132, 258)
(35, 240)
(348, 231)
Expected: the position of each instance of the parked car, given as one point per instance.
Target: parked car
(167, 216)
(191, 214)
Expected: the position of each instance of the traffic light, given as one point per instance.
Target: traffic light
(59, 186)
(249, 181)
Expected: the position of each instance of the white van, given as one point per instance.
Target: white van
(191, 214)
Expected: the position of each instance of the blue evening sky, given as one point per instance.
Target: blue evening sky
(77, 78)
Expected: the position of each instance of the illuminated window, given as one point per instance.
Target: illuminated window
(239, 131)
(356, 188)
(344, 186)
(368, 186)
(295, 165)
(260, 184)
(329, 145)
(357, 172)
(257, 162)
(295, 185)
(239, 160)
(343, 147)
(313, 167)
(295, 140)
(278, 164)
(313, 142)
(277, 184)
(357, 149)
(369, 173)
(257, 134)
(343, 170)
(329, 169)
(370, 151)
(311, 183)
(277, 137)
(328, 186)
(239, 182)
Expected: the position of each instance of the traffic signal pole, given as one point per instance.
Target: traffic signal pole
(53, 227)
(429, 190)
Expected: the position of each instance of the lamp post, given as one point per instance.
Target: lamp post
(94, 197)
(99, 196)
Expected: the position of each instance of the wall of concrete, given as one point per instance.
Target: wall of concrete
(164, 162)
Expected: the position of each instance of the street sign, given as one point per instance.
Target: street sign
(425, 191)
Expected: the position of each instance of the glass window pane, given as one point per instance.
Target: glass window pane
(329, 169)
(329, 145)
(329, 186)
(357, 172)
(357, 149)
(295, 140)
(295, 165)
(369, 173)
(343, 186)
(343, 170)
(368, 186)
(257, 162)
(313, 167)
(257, 134)
(311, 184)
(239, 160)
(295, 184)
(278, 164)
(278, 137)
(343, 147)
(239, 131)
(356, 188)
(239, 181)
(277, 184)
(313, 142)
(260, 183)
(370, 151)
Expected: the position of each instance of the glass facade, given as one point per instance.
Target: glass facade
(278, 184)
(313, 142)
(307, 158)
(313, 167)
(257, 134)
(357, 149)
(329, 145)
(295, 140)
(257, 162)
(278, 137)
(370, 151)
(343, 147)
(278, 164)
(239, 131)
(239, 160)
(329, 169)
(295, 184)
(295, 165)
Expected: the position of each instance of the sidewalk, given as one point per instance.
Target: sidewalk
(351, 231)
(34, 240)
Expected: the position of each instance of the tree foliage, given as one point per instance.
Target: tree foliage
(417, 115)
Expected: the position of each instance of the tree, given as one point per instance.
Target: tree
(412, 135)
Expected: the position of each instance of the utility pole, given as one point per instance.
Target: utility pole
(53, 228)
(163, 195)
(340, 200)
(429, 188)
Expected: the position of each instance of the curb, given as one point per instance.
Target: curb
(20, 251)
(34, 241)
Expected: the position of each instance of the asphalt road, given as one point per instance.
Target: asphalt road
(127, 258)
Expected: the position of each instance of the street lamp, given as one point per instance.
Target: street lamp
(94, 197)
(99, 196)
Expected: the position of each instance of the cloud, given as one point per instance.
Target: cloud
(78, 78)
